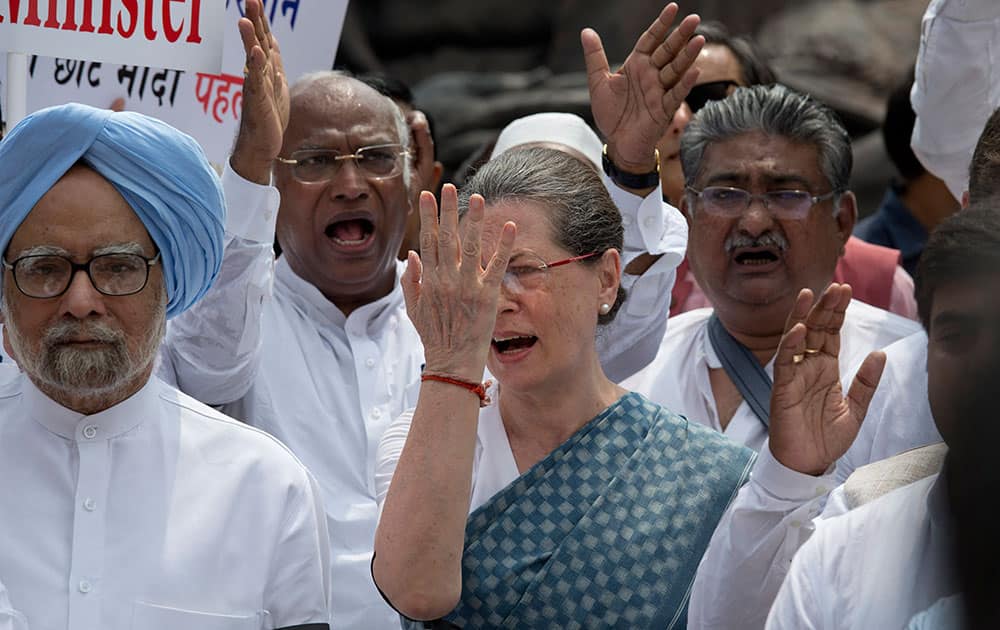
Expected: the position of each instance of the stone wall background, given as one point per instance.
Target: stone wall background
(475, 66)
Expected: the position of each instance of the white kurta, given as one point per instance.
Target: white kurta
(777, 511)
(272, 350)
(877, 566)
(899, 416)
(678, 378)
(10, 619)
(158, 513)
(956, 86)
(493, 464)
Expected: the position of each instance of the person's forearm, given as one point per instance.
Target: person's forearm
(421, 533)
(753, 546)
(214, 347)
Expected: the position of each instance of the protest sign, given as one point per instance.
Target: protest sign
(204, 105)
(179, 34)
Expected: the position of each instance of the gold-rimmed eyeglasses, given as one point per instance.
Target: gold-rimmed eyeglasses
(379, 161)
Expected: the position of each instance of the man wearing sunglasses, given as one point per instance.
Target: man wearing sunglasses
(769, 213)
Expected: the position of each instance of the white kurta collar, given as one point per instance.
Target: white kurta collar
(317, 307)
(79, 427)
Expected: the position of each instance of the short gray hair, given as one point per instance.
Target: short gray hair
(583, 217)
(774, 110)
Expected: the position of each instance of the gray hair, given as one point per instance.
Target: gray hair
(583, 217)
(774, 110)
(336, 77)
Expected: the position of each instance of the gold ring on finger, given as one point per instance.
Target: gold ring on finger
(797, 358)
(812, 351)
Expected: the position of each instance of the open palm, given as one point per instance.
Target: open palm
(634, 105)
(812, 423)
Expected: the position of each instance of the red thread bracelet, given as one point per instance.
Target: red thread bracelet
(479, 389)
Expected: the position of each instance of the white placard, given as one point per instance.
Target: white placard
(180, 34)
(206, 106)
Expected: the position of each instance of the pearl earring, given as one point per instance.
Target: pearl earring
(605, 309)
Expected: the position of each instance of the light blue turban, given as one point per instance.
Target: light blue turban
(162, 173)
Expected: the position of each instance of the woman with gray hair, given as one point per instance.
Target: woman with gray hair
(554, 498)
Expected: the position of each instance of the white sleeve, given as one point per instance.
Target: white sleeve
(299, 590)
(652, 226)
(753, 545)
(390, 447)
(10, 619)
(956, 86)
(800, 603)
(211, 351)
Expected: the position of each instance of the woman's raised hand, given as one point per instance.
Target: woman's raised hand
(812, 424)
(450, 298)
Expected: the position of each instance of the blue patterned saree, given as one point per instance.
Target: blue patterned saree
(607, 531)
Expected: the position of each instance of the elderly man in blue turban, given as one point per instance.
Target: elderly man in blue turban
(124, 503)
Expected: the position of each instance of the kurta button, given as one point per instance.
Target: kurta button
(89, 504)
(370, 362)
(649, 222)
(376, 413)
(90, 432)
(626, 221)
(84, 587)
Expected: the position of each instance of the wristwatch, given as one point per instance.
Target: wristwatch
(631, 180)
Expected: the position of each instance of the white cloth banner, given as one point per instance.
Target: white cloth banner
(186, 34)
(206, 106)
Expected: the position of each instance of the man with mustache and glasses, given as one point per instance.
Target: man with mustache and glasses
(123, 502)
(766, 199)
(725, 63)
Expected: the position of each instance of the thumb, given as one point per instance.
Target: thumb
(859, 396)
(594, 58)
(411, 282)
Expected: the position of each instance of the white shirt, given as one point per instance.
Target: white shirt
(10, 619)
(899, 416)
(773, 514)
(158, 513)
(877, 566)
(956, 87)
(273, 351)
(678, 378)
(493, 464)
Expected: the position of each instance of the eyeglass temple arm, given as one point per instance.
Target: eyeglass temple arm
(560, 263)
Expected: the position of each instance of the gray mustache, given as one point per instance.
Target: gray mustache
(66, 330)
(767, 239)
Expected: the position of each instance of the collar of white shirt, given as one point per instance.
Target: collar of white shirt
(72, 425)
(315, 305)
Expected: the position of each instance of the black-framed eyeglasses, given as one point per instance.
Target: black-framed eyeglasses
(724, 201)
(379, 161)
(705, 92)
(49, 275)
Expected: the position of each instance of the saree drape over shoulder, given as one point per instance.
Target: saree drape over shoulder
(607, 531)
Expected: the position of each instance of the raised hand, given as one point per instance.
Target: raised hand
(812, 424)
(265, 98)
(450, 298)
(634, 106)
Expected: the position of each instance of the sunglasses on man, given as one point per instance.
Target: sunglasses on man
(705, 92)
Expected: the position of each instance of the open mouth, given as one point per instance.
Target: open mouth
(350, 232)
(510, 345)
(756, 257)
